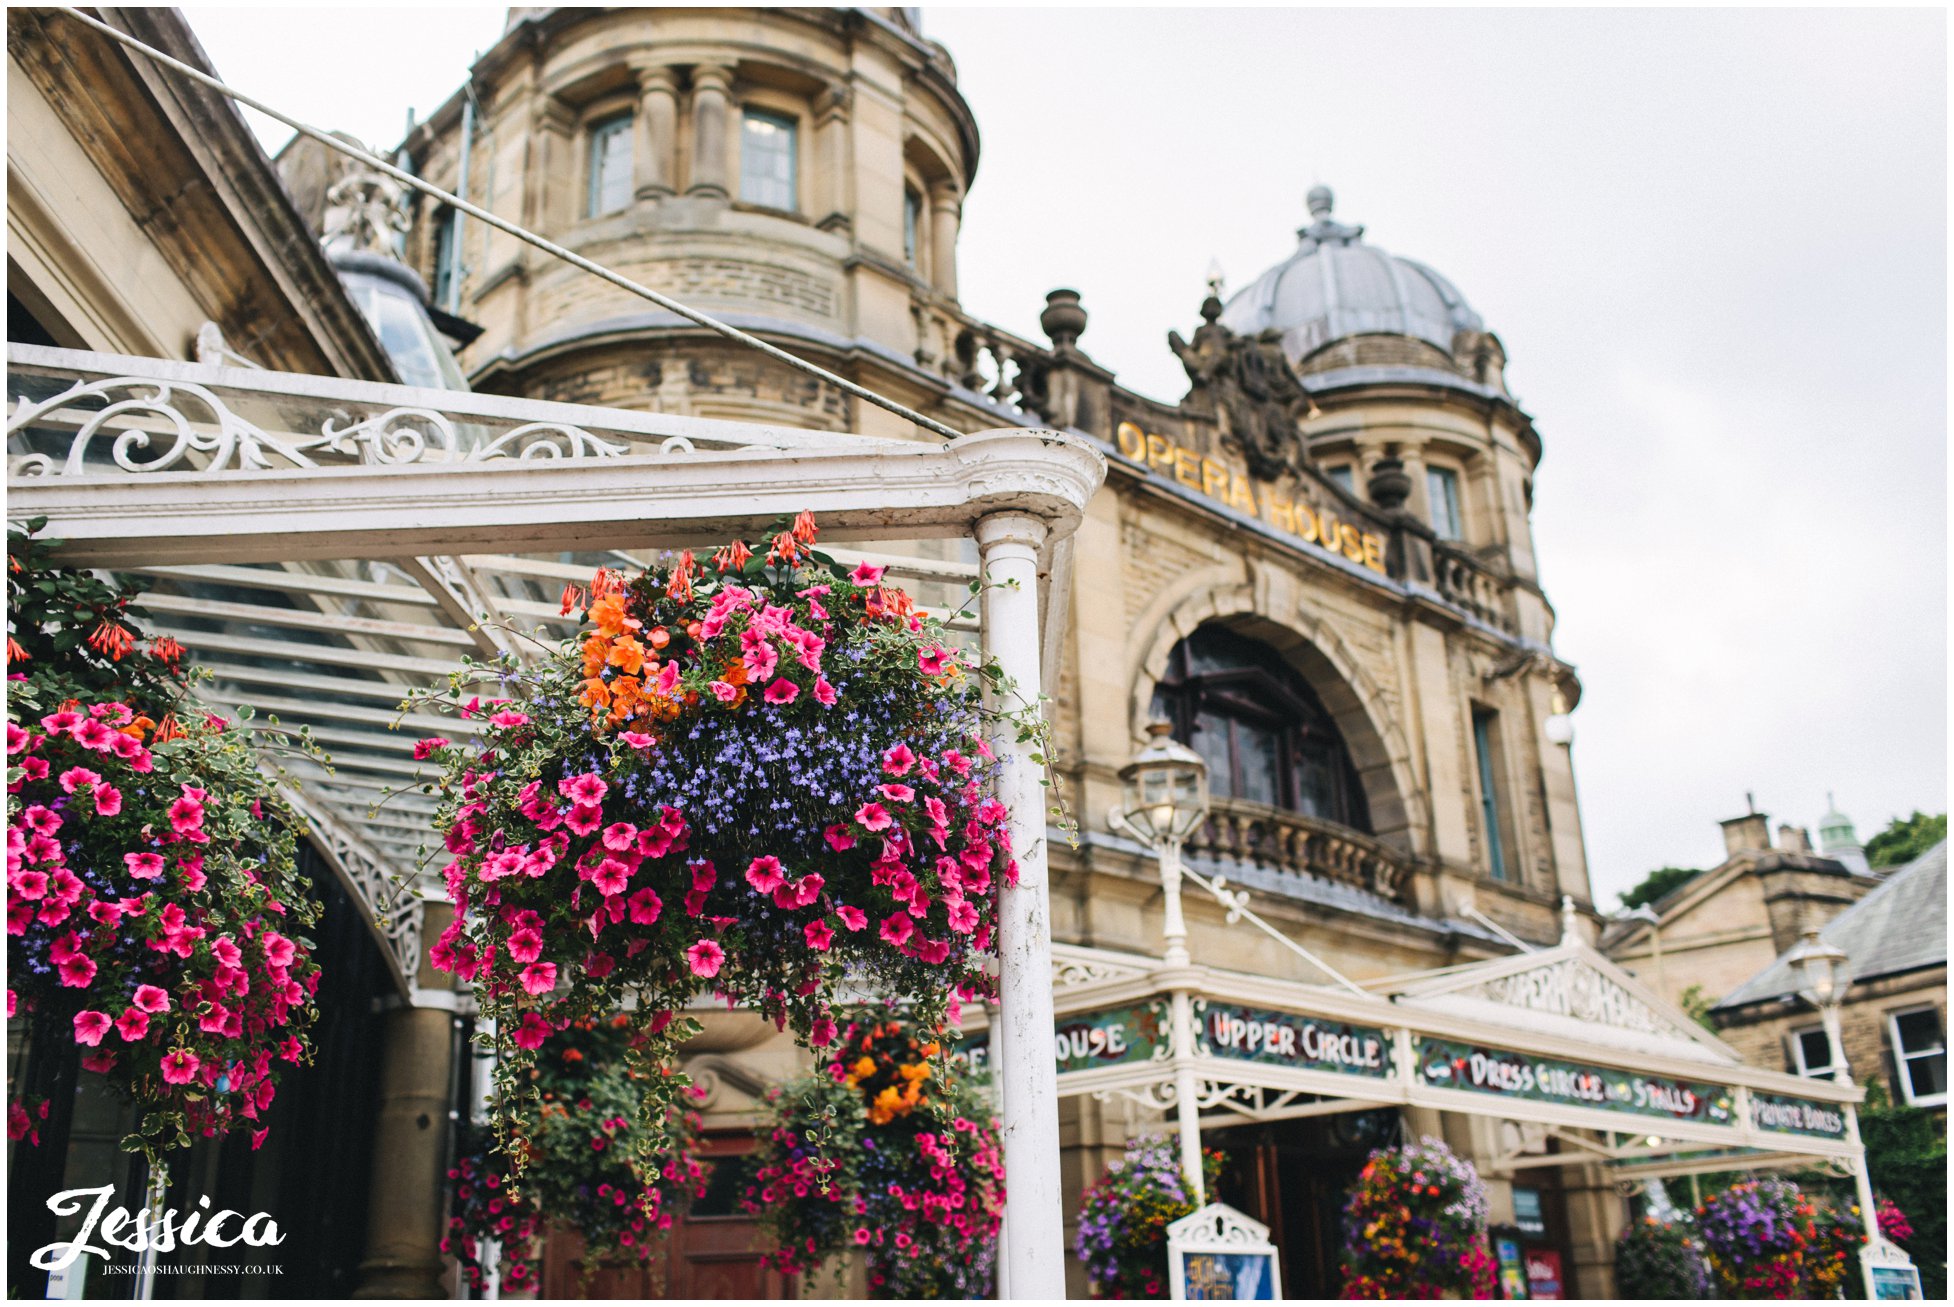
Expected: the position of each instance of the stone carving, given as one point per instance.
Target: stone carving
(1246, 383)
(1571, 988)
(365, 211)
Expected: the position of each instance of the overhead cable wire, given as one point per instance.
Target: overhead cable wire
(523, 234)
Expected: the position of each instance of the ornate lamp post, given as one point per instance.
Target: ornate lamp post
(1164, 799)
(1822, 971)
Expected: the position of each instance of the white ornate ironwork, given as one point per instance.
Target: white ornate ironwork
(1156, 1096)
(154, 427)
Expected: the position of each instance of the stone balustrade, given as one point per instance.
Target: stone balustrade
(1286, 841)
(1466, 582)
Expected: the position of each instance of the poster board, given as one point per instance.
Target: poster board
(1220, 1255)
(1510, 1263)
(1893, 1274)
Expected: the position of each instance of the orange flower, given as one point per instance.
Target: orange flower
(168, 729)
(604, 581)
(784, 547)
(15, 654)
(804, 529)
(627, 655)
(138, 727)
(732, 557)
(608, 615)
(680, 588)
(166, 648)
(573, 599)
(596, 653)
(111, 638)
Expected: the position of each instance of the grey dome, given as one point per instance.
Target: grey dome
(1335, 286)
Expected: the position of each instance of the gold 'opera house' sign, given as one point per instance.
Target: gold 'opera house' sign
(1227, 485)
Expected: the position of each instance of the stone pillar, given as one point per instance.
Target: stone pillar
(406, 1207)
(655, 150)
(945, 211)
(834, 209)
(712, 99)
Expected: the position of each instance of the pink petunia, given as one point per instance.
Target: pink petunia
(765, 874)
(898, 928)
(808, 889)
(79, 778)
(873, 816)
(819, 935)
(636, 739)
(132, 1025)
(152, 999)
(590, 788)
(509, 719)
(90, 1026)
(108, 800)
(898, 760)
(525, 945)
(963, 917)
(897, 793)
(584, 818)
(706, 958)
(532, 1032)
(180, 1067)
(782, 691)
(186, 814)
(645, 907)
(867, 574)
(433, 744)
(611, 876)
(144, 866)
(17, 739)
(935, 660)
(539, 977)
(824, 693)
(723, 692)
(76, 972)
(838, 838)
(853, 918)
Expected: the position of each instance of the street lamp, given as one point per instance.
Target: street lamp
(1163, 801)
(1822, 972)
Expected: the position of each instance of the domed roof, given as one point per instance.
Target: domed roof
(1335, 286)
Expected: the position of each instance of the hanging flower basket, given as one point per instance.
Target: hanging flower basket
(1123, 1218)
(1769, 1239)
(579, 1151)
(1661, 1260)
(888, 1149)
(1415, 1227)
(760, 779)
(155, 914)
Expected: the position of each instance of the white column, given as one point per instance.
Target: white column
(1187, 1108)
(1033, 1261)
(1862, 1181)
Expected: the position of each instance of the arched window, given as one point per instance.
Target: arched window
(1265, 735)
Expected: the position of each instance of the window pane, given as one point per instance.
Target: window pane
(1489, 796)
(1814, 1053)
(446, 259)
(1442, 485)
(1923, 1053)
(610, 166)
(1317, 771)
(767, 160)
(912, 216)
(1211, 742)
(1257, 757)
(1343, 475)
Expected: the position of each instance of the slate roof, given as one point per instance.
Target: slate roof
(1900, 926)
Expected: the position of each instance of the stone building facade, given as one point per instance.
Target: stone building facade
(1317, 562)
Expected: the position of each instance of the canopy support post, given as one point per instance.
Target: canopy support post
(1033, 1261)
(1862, 1182)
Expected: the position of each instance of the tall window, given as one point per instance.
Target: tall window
(912, 221)
(610, 165)
(1811, 1053)
(1920, 1056)
(1264, 734)
(767, 160)
(447, 260)
(1344, 475)
(1485, 742)
(1442, 486)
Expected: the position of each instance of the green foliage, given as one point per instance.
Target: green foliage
(1698, 1004)
(71, 631)
(1658, 884)
(1906, 1151)
(1906, 838)
(1660, 1259)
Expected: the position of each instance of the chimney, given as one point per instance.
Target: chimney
(1793, 839)
(1748, 833)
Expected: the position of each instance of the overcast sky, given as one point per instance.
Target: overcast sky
(1714, 244)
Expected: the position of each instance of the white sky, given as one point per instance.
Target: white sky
(1713, 242)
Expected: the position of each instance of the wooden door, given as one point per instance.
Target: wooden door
(713, 1253)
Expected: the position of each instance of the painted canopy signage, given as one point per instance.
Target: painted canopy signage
(1445, 1064)
(1282, 1039)
(1112, 1037)
(1796, 1116)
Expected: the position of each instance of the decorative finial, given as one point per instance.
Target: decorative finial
(1323, 229)
(1321, 200)
(1569, 920)
(1215, 278)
